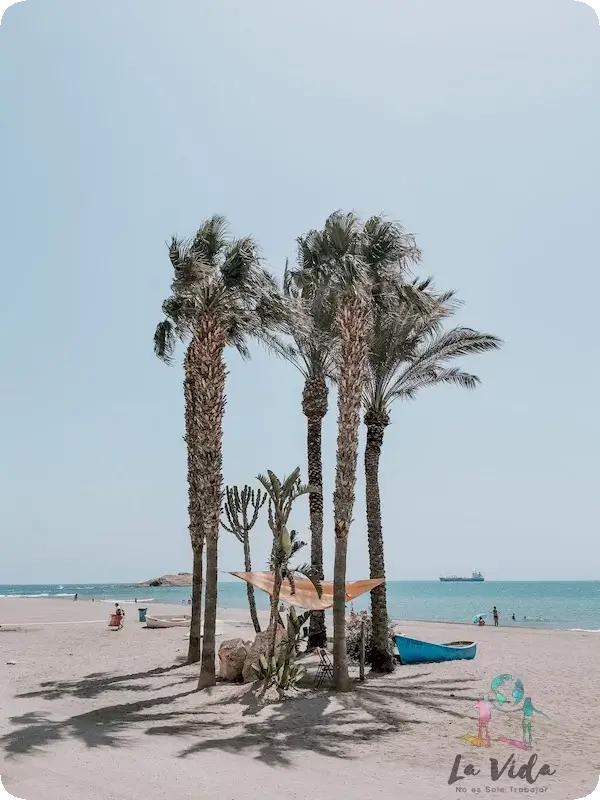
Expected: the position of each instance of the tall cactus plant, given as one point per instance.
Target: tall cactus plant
(241, 510)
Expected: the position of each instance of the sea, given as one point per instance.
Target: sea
(573, 605)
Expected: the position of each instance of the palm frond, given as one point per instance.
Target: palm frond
(164, 341)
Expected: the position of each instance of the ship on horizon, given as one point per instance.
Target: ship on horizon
(475, 577)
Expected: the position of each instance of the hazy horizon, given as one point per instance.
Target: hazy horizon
(475, 125)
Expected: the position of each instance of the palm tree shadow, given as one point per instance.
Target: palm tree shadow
(96, 683)
(237, 722)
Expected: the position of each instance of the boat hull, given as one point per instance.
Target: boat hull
(415, 651)
(462, 580)
(167, 622)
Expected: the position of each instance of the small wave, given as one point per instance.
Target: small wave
(123, 602)
(63, 594)
(586, 630)
(42, 594)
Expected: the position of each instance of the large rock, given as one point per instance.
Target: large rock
(260, 646)
(232, 655)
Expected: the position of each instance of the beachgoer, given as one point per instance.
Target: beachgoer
(135, 601)
(481, 621)
(495, 614)
(513, 617)
(119, 612)
(75, 597)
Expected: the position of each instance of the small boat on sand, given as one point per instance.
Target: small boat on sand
(414, 651)
(168, 621)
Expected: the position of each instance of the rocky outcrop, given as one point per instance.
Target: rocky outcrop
(261, 646)
(181, 579)
(232, 656)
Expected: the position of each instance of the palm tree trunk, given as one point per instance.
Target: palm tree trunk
(207, 669)
(249, 588)
(195, 637)
(210, 400)
(352, 323)
(340, 656)
(381, 655)
(314, 406)
(194, 504)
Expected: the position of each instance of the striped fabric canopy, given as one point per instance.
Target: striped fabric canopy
(306, 595)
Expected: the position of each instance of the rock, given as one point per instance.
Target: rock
(232, 655)
(181, 579)
(261, 646)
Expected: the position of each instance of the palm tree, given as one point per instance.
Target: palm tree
(241, 521)
(164, 342)
(355, 267)
(313, 357)
(220, 296)
(408, 351)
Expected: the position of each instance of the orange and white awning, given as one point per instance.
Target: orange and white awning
(305, 595)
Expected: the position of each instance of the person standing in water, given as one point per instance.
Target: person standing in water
(495, 614)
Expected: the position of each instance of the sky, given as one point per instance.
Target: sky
(473, 123)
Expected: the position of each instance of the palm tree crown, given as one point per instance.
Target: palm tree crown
(222, 278)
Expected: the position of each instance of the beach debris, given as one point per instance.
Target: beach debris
(232, 656)
(12, 663)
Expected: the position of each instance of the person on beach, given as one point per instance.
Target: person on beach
(495, 614)
(75, 596)
(481, 622)
(120, 613)
(513, 617)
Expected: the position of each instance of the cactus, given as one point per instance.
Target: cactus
(240, 522)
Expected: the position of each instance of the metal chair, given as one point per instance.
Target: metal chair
(325, 668)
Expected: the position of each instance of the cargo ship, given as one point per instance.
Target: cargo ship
(476, 576)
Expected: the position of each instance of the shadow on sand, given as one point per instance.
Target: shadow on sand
(231, 717)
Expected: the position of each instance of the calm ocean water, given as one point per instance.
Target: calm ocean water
(539, 604)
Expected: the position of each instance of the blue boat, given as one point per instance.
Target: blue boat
(414, 651)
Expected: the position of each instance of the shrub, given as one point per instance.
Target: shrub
(353, 628)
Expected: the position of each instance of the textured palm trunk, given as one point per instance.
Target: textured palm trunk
(210, 399)
(314, 406)
(352, 323)
(194, 505)
(381, 655)
(249, 588)
(195, 626)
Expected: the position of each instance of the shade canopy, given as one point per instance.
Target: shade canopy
(305, 595)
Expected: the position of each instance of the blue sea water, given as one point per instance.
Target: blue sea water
(553, 604)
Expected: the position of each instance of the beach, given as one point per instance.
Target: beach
(88, 712)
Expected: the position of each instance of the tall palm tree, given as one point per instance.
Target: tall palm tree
(312, 355)
(164, 342)
(220, 296)
(355, 267)
(408, 351)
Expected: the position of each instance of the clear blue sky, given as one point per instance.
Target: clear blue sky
(475, 124)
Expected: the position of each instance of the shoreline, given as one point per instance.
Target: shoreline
(233, 612)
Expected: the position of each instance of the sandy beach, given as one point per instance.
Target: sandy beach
(86, 712)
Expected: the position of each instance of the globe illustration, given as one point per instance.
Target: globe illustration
(507, 691)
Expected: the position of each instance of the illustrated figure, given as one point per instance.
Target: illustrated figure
(528, 711)
(485, 715)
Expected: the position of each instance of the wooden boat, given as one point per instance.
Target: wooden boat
(168, 621)
(414, 651)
